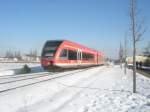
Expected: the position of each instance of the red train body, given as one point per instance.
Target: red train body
(66, 54)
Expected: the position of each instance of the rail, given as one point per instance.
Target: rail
(33, 82)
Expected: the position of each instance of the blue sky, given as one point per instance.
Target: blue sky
(98, 24)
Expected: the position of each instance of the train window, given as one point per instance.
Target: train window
(86, 56)
(64, 54)
(72, 55)
(50, 48)
(53, 43)
(48, 54)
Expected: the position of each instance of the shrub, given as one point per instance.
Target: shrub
(25, 69)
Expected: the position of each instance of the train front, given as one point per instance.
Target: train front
(48, 54)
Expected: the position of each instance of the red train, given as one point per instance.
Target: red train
(66, 54)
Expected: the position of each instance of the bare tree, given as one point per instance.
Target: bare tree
(137, 31)
(9, 54)
(125, 53)
(17, 55)
(32, 55)
(121, 55)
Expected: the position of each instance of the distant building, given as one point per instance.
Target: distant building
(15, 59)
(29, 58)
(2, 59)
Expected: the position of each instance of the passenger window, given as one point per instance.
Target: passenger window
(64, 54)
(86, 56)
(72, 55)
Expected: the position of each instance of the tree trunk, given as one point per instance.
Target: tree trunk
(134, 69)
(134, 44)
(125, 54)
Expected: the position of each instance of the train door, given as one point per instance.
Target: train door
(97, 59)
(79, 56)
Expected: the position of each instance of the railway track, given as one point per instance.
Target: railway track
(20, 83)
(15, 78)
(22, 77)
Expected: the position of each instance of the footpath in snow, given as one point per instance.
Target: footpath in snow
(101, 89)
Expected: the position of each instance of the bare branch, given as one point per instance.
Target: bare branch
(137, 29)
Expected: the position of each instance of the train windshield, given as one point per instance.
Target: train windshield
(50, 49)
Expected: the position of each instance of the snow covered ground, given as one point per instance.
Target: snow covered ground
(12, 68)
(100, 89)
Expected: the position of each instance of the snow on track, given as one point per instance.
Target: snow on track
(20, 77)
(19, 83)
(101, 89)
(33, 94)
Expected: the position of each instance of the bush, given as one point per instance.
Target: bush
(25, 69)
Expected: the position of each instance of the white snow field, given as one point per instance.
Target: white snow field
(12, 68)
(99, 89)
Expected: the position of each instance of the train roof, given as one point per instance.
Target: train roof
(67, 41)
(83, 46)
(55, 40)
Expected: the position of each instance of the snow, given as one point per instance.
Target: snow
(99, 89)
(13, 68)
(6, 66)
(146, 68)
(142, 67)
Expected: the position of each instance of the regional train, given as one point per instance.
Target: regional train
(67, 54)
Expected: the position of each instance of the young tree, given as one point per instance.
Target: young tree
(137, 31)
(121, 55)
(125, 53)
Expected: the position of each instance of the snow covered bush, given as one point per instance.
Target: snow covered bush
(25, 69)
